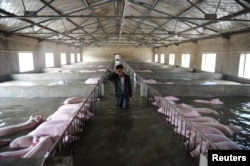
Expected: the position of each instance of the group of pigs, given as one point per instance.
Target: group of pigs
(45, 133)
(188, 121)
(81, 71)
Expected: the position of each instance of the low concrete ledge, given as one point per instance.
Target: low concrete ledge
(45, 91)
(202, 90)
(183, 76)
(5, 78)
(74, 70)
(21, 161)
(55, 76)
(237, 79)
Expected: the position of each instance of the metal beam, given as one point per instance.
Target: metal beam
(30, 22)
(211, 22)
(242, 4)
(148, 11)
(92, 13)
(125, 3)
(68, 13)
(131, 17)
(195, 5)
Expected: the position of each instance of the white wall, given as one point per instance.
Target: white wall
(9, 48)
(127, 53)
(227, 51)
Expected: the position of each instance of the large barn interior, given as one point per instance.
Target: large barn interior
(123, 82)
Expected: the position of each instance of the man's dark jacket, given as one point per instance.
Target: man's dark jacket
(127, 85)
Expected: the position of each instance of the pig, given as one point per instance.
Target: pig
(215, 101)
(36, 149)
(71, 107)
(203, 119)
(150, 81)
(22, 142)
(74, 100)
(187, 111)
(67, 71)
(64, 82)
(224, 129)
(227, 145)
(52, 128)
(68, 111)
(223, 145)
(40, 149)
(214, 138)
(171, 98)
(101, 70)
(177, 120)
(92, 80)
(87, 71)
(88, 115)
(29, 124)
(158, 101)
(145, 71)
(203, 129)
(15, 154)
(65, 114)
(206, 111)
(57, 71)
(235, 128)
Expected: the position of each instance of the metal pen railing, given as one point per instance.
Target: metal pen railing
(182, 127)
(67, 142)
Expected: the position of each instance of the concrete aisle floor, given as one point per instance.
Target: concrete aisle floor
(128, 138)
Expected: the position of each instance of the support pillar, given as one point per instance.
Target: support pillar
(143, 89)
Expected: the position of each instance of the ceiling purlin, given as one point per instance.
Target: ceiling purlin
(60, 13)
(192, 27)
(122, 20)
(192, 5)
(91, 12)
(146, 13)
(195, 5)
(131, 31)
(142, 32)
(211, 29)
(55, 19)
(211, 22)
(242, 5)
(204, 24)
(28, 21)
(156, 27)
(24, 27)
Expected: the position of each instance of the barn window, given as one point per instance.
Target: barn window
(156, 57)
(63, 59)
(26, 62)
(171, 59)
(72, 58)
(185, 60)
(78, 57)
(49, 60)
(244, 66)
(162, 58)
(208, 62)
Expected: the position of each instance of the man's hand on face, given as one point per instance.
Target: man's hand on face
(119, 72)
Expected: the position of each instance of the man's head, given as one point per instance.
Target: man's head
(119, 69)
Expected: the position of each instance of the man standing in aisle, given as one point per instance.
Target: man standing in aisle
(122, 86)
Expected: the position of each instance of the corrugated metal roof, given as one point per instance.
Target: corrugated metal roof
(151, 23)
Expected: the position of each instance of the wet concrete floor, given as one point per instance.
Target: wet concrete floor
(134, 137)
